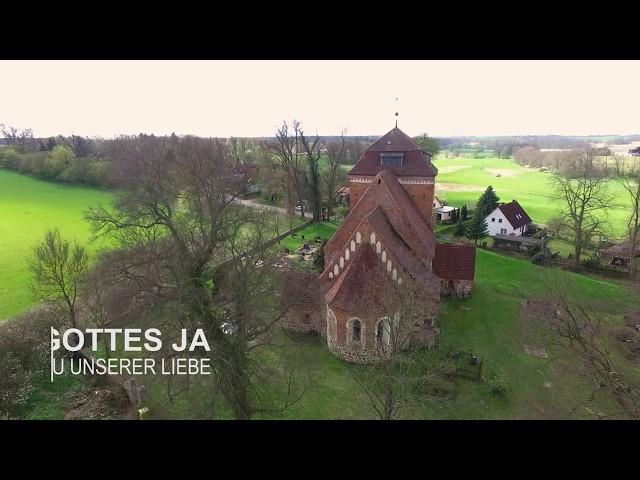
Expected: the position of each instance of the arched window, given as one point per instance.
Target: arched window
(307, 318)
(331, 324)
(379, 332)
(356, 331)
(383, 333)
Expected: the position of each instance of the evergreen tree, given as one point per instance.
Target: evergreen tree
(428, 144)
(478, 228)
(488, 201)
(464, 212)
(460, 230)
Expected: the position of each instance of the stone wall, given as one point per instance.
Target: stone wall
(340, 343)
(460, 288)
(303, 319)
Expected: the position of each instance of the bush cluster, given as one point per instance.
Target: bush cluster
(59, 164)
(24, 352)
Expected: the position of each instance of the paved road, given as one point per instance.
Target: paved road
(261, 206)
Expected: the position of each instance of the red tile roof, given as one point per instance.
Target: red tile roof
(515, 214)
(363, 280)
(410, 225)
(396, 246)
(415, 161)
(455, 261)
(301, 288)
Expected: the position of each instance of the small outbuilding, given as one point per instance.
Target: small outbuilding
(455, 265)
(619, 255)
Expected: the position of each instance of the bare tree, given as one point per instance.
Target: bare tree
(582, 336)
(286, 149)
(15, 136)
(402, 374)
(631, 183)
(251, 311)
(312, 179)
(186, 246)
(584, 197)
(58, 266)
(336, 152)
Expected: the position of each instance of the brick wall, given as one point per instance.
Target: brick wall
(421, 194)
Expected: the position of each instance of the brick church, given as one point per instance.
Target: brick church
(386, 239)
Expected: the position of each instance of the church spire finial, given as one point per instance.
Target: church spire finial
(396, 114)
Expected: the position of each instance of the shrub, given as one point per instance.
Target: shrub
(497, 385)
(539, 258)
(9, 158)
(318, 257)
(592, 262)
(15, 384)
(24, 350)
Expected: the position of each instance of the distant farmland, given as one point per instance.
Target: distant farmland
(460, 180)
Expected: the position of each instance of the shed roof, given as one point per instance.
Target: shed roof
(455, 261)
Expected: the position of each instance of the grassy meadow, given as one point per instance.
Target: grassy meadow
(462, 179)
(28, 208)
(489, 324)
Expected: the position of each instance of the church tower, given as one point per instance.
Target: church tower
(398, 153)
(385, 248)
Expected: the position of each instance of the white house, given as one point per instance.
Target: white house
(508, 219)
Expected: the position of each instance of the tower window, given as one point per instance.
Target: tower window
(391, 159)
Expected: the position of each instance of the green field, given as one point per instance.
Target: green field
(461, 180)
(28, 207)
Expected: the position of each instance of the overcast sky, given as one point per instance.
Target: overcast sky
(251, 98)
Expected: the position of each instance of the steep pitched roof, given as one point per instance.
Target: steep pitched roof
(409, 225)
(396, 245)
(455, 261)
(515, 214)
(415, 161)
(366, 274)
(300, 288)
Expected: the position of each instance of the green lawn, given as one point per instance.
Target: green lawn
(462, 180)
(324, 229)
(28, 207)
(49, 399)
